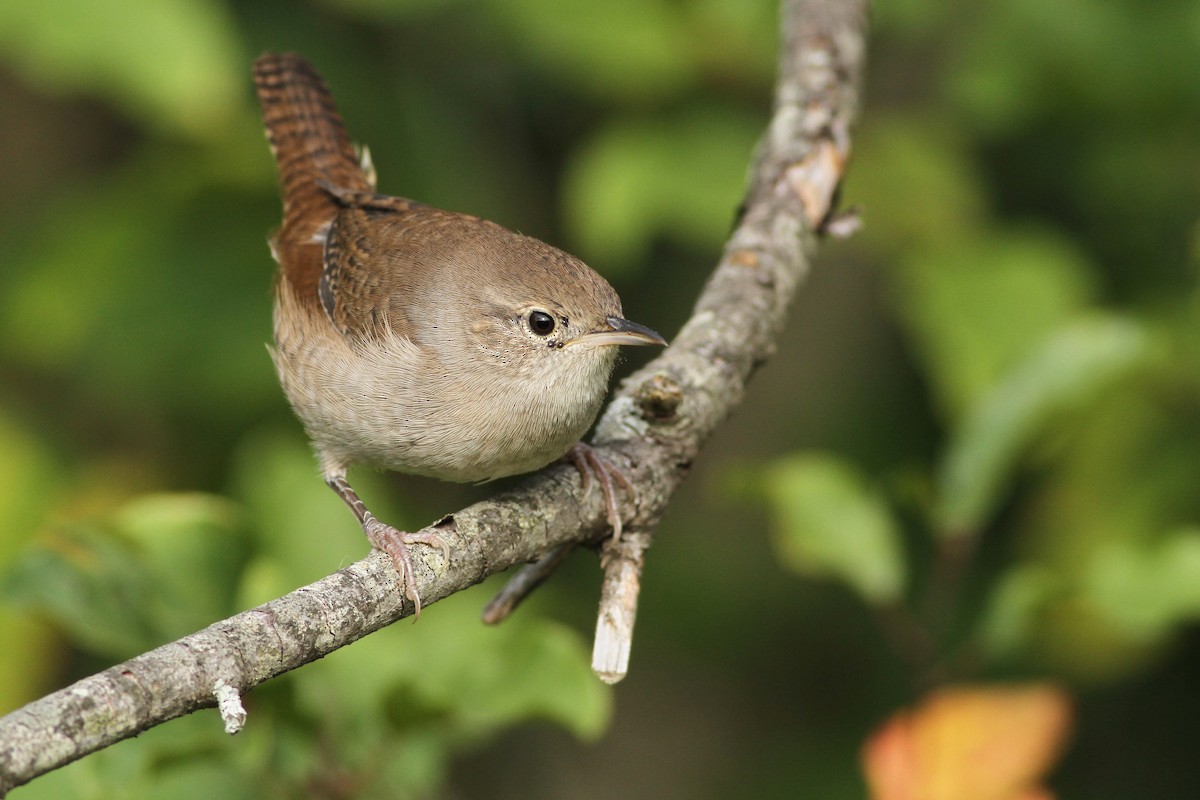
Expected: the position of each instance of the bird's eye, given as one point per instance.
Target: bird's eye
(541, 323)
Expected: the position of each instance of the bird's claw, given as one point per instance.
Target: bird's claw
(395, 543)
(590, 463)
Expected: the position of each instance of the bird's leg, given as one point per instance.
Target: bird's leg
(388, 539)
(590, 463)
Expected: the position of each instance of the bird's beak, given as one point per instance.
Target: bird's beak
(619, 331)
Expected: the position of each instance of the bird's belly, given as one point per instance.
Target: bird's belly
(430, 423)
(465, 442)
(479, 451)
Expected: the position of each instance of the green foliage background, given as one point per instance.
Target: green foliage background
(976, 455)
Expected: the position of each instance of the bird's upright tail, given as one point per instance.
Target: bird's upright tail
(311, 145)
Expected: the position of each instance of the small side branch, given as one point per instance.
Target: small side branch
(521, 585)
(622, 564)
(229, 703)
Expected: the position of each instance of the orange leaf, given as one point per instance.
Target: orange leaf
(970, 743)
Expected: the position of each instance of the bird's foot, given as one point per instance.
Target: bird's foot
(591, 464)
(395, 543)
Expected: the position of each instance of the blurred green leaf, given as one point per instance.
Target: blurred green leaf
(1073, 637)
(829, 523)
(398, 704)
(191, 757)
(195, 546)
(172, 63)
(153, 312)
(28, 666)
(88, 271)
(1014, 605)
(919, 186)
(1094, 495)
(1073, 56)
(1147, 589)
(304, 531)
(617, 49)
(747, 31)
(200, 778)
(912, 19)
(977, 309)
(1124, 601)
(457, 672)
(388, 9)
(91, 585)
(1069, 370)
(637, 180)
(159, 568)
(29, 488)
(29, 484)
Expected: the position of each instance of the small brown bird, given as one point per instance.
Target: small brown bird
(421, 340)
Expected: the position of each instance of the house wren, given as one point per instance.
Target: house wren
(421, 340)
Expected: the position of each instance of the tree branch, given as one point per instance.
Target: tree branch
(653, 429)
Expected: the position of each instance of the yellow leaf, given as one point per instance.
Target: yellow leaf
(970, 743)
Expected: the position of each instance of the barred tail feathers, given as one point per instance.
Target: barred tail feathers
(310, 144)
